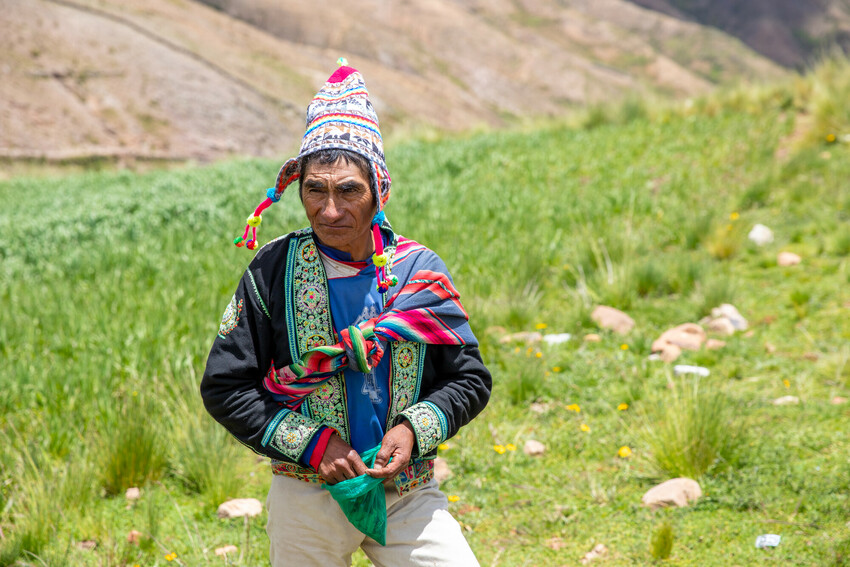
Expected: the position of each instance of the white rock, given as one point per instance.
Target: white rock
(132, 493)
(731, 312)
(556, 339)
(224, 550)
(239, 507)
(686, 369)
(614, 319)
(785, 259)
(786, 401)
(674, 492)
(592, 338)
(761, 235)
(714, 344)
(534, 448)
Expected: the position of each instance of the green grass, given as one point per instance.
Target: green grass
(112, 285)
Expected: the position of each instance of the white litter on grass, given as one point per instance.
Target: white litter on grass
(761, 235)
(556, 339)
(686, 369)
(767, 540)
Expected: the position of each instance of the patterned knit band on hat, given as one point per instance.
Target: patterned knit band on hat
(340, 116)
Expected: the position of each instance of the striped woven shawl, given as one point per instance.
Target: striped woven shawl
(427, 310)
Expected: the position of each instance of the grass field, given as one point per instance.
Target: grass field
(112, 285)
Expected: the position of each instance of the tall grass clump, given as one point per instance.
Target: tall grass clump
(201, 449)
(132, 447)
(690, 431)
(41, 495)
(714, 291)
(662, 542)
(830, 91)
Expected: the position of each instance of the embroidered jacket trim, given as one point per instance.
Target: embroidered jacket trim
(429, 424)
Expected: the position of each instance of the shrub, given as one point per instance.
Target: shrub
(662, 541)
(689, 431)
(132, 448)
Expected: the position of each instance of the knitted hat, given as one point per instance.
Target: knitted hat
(340, 116)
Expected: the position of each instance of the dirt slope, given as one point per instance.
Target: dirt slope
(181, 79)
(791, 32)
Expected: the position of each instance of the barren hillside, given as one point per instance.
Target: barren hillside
(791, 32)
(180, 79)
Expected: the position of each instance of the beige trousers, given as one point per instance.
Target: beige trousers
(307, 528)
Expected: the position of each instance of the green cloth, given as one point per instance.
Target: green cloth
(363, 501)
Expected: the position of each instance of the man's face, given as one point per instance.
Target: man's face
(340, 206)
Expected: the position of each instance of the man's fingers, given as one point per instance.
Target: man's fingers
(384, 454)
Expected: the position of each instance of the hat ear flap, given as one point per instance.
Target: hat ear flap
(289, 172)
(385, 190)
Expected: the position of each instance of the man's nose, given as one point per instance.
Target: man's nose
(331, 211)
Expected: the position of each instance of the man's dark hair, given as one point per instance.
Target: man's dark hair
(332, 155)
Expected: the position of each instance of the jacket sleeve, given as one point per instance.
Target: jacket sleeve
(456, 387)
(232, 387)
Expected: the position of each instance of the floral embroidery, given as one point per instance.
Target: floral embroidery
(295, 471)
(429, 425)
(405, 375)
(326, 404)
(418, 473)
(293, 434)
(230, 319)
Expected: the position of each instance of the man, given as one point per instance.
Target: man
(341, 338)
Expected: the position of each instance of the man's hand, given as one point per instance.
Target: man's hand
(340, 462)
(397, 445)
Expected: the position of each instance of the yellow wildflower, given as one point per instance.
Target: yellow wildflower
(443, 446)
(454, 498)
(734, 216)
(787, 383)
(830, 138)
(540, 326)
(574, 407)
(516, 350)
(510, 447)
(624, 347)
(538, 354)
(623, 407)
(585, 427)
(556, 369)
(499, 449)
(625, 452)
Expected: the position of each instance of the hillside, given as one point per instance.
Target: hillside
(790, 32)
(178, 79)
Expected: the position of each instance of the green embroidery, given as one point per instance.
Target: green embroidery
(257, 293)
(230, 319)
(309, 325)
(327, 404)
(429, 425)
(293, 434)
(406, 370)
